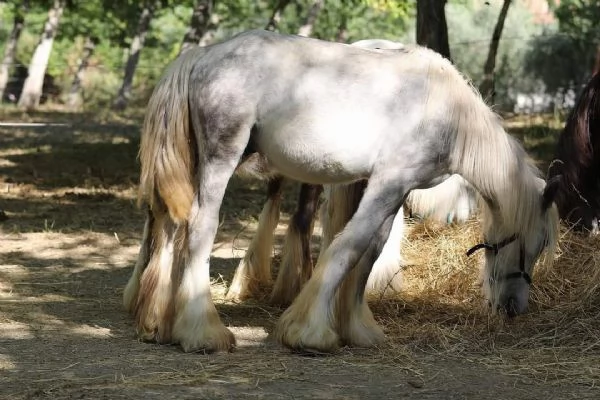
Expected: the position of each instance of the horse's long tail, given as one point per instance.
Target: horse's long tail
(168, 151)
(453, 200)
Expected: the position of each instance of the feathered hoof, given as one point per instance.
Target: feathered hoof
(151, 331)
(306, 334)
(385, 280)
(238, 294)
(246, 284)
(130, 294)
(358, 334)
(282, 297)
(207, 335)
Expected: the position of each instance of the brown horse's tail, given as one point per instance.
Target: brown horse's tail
(168, 152)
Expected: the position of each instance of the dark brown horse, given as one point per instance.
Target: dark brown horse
(576, 166)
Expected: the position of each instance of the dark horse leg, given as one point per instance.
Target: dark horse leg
(296, 262)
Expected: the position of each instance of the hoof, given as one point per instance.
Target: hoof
(306, 333)
(221, 339)
(202, 332)
(130, 294)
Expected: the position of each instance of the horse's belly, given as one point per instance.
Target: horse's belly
(320, 153)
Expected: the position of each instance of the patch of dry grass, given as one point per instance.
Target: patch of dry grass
(442, 312)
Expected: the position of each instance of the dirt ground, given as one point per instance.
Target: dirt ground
(69, 237)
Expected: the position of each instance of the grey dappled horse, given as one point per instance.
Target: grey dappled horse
(320, 113)
(453, 200)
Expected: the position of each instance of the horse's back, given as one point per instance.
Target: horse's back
(350, 104)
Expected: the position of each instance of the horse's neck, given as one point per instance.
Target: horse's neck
(500, 172)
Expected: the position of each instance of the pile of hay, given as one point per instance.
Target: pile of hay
(442, 309)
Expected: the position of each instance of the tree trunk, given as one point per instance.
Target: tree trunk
(75, 99)
(11, 45)
(487, 85)
(276, 16)
(307, 28)
(342, 33)
(199, 24)
(32, 88)
(134, 56)
(596, 69)
(432, 30)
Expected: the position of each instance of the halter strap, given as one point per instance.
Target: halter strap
(519, 274)
(495, 247)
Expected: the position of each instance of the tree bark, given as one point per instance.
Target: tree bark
(596, 69)
(342, 33)
(307, 28)
(11, 45)
(137, 44)
(276, 16)
(75, 98)
(487, 85)
(199, 24)
(32, 88)
(432, 30)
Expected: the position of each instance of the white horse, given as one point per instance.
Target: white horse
(451, 201)
(321, 113)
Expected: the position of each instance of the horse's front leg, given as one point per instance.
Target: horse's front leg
(310, 323)
(296, 262)
(254, 270)
(356, 324)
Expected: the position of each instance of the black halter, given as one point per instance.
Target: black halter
(495, 247)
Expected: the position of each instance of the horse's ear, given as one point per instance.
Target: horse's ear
(550, 191)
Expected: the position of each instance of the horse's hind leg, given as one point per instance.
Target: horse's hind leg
(254, 269)
(310, 323)
(296, 263)
(153, 303)
(197, 325)
(341, 202)
(133, 285)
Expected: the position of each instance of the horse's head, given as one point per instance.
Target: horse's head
(511, 257)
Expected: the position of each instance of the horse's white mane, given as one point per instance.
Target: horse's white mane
(499, 168)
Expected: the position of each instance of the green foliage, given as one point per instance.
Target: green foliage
(470, 28)
(362, 20)
(579, 20)
(396, 9)
(563, 59)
